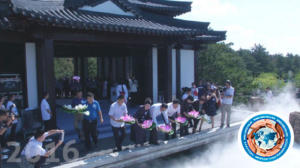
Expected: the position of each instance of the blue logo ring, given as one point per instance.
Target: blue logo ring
(286, 134)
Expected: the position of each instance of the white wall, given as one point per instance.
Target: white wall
(107, 7)
(31, 75)
(187, 67)
(155, 74)
(173, 73)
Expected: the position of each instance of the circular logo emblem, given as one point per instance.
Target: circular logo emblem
(265, 136)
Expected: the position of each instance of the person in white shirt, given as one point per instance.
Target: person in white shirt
(133, 83)
(46, 112)
(34, 151)
(159, 116)
(121, 89)
(116, 111)
(173, 111)
(11, 107)
(227, 103)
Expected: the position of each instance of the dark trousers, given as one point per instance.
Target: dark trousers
(184, 130)
(39, 162)
(153, 136)
(90, 130)
(119, 135)
(12, 136)
(167, 136)
(196, 121)
(48, 125)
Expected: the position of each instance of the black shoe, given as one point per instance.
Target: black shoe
(228, 126)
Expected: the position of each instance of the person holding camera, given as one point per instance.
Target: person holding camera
(6, 122)
(13, 110)
(34, 151)
(227, 101)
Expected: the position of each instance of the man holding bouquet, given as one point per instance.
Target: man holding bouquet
(159, 116)
(77, 100)
(173, 112)
(90, 121)
(117, 110)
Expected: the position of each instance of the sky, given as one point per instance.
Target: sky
(275, 24)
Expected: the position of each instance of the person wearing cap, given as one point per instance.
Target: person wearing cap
(117, 110)
(227, 103)
(159, 116)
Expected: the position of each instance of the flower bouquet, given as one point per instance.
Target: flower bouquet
(181, 120)
(194, 114)
(81, 109)
(148, 124)
(128, 119)
(166, 129)
(206, 118)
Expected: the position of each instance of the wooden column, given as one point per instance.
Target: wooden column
(99, 67)
(113, 69)
(106, 67)
(126, 66)
(196, 56)
(46, 78)
(149, 74)
(168, 83)
(84, 72)
(178, 72)
(76, 66)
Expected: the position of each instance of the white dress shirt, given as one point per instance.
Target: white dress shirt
(117, 111)
(34, 148)
(155, 112)
(44, 107)
(171, 110)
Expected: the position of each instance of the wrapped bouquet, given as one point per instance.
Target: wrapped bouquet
(148, 124)
(206, 118)
(128, 119)
(166, 129)
(181, 120)
(194, 114)
(82, 109)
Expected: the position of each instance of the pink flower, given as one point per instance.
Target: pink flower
(166, 129)
(193, 114)
(147, 124)
(180, 120)
(128, 119)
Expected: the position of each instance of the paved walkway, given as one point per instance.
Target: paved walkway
(106, 142)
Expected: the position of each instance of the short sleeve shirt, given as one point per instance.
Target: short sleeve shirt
(34, 148)
(44, 107)
(172, 111)
(117, 111)
(228, 92)
(93, 108)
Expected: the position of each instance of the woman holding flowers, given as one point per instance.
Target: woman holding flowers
(187, 106)
(173, 113)
(142, 114)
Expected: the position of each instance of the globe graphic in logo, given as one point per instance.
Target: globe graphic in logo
(265, 137)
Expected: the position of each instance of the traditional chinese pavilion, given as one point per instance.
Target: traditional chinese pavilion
(140, 37)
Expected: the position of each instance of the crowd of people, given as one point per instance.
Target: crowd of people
(102, 88)
(204, 97)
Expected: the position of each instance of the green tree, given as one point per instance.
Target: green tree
(63, 67)
(265, 80)
(297, 80)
